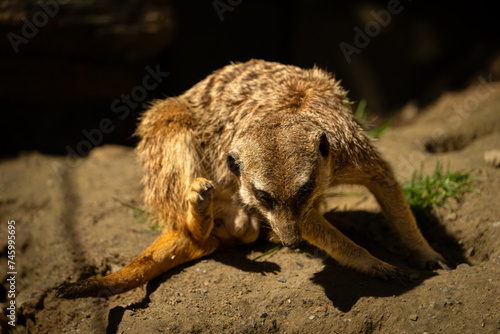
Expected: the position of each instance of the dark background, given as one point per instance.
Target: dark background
(65, 76)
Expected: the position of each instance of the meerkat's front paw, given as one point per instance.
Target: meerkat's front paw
(200, 215)
(387, 272)
(200, 196)
(431, 260)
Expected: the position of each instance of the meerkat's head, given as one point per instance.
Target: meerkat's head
(284, 168)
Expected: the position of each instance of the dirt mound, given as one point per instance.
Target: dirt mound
(69, 227)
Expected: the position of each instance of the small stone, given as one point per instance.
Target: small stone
(452, 216)
(470, 252)
(311, 317)
(115, 267)
(413, 317)
(274, 324)
(463, 266)
(281, 280)
(492, 158)
(263, 314)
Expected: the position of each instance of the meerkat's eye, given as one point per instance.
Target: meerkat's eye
(324, 146)
(306, 190)
(233, 166)
(264, 197)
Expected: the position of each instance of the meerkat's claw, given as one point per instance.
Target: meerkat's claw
(401, 277)
(443, 265)
(429, 260)
(388, 272)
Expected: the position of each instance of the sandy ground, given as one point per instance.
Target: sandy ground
(68, 227)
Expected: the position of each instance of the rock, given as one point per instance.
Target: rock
(452, 216)
(470, 252)
(413, 317)
(492, 158)
(463, 266)
(263, 314)
(281, 280)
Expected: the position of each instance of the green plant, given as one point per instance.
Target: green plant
(277, 248)
(362, 117)
(426, 193)
(139, 215)
(272, 250)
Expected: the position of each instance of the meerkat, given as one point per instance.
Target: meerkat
(256, 144)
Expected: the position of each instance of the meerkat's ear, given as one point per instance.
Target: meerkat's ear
(324, 145)
(232, 163)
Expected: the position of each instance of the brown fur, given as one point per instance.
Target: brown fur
(256, 142)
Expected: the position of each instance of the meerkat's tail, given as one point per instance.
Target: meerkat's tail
(168, 251)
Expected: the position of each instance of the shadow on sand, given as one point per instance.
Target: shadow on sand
(343, 286)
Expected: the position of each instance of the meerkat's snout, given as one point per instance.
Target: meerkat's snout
(295, 243)
(289, 234)
(283, 216)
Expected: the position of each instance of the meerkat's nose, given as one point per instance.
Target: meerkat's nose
(288, 231)
(291, 242)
